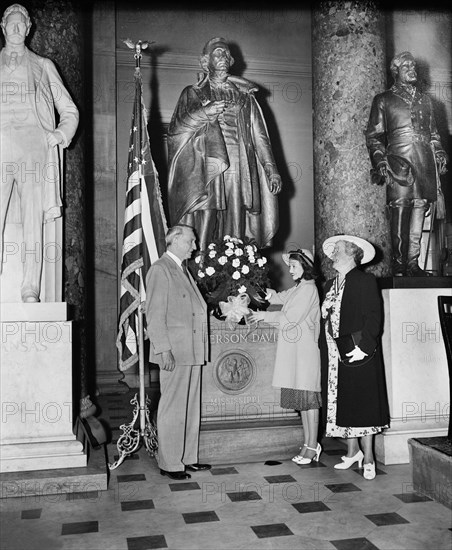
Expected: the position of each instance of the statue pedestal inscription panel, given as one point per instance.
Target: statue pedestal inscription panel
(416, 370)
(241, 417)
(36, 389)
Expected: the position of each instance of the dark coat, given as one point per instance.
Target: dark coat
(361, 396)
(405, 126)
(198, 158)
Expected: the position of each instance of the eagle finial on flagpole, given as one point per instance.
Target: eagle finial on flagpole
(138, 47)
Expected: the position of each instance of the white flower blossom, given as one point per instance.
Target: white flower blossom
(245, 259)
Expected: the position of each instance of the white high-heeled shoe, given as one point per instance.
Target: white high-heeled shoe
(305, 460)
(349, 461)
(369, 471)
(298, 457)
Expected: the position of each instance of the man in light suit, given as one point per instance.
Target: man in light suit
(31, 141)
(176, 315)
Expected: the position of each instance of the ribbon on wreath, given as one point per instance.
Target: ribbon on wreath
(235, 309)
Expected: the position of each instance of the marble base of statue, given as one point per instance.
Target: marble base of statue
(241, 417)
(415, 364)
(36, 389)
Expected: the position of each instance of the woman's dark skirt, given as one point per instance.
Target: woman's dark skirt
(300, 400)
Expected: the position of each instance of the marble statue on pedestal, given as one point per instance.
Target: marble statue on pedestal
(406, 154)
(223, 178)
(31, 141)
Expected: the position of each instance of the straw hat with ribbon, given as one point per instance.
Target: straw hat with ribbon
(367, 248)
(304, 253)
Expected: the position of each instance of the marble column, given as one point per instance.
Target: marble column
(349, 68)
(57, 33)
(105, 264)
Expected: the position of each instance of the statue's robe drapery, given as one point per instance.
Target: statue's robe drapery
(200, 166)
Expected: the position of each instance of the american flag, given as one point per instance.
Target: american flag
(144, 231)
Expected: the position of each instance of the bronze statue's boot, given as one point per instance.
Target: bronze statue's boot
(205, 225)
(414, 244)
(400, 224)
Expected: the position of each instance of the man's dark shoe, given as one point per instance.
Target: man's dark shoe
(175, 475)
(197, 467)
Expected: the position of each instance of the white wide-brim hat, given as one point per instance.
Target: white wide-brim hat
(367, 248)
(302, 252)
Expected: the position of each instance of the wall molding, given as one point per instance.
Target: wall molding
(180, 61)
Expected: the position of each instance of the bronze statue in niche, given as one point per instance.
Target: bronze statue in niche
(406, 154)
(223, 179)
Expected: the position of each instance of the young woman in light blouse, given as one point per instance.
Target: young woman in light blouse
(297, 362)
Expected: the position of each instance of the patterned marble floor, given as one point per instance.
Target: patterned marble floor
(240, 506)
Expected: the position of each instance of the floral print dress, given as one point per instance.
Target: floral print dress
(331, 308)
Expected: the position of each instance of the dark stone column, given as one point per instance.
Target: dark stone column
(57, 33)
(349, 68)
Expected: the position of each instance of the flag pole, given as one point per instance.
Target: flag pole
(130, 440)
(138, 46)
(141, 371)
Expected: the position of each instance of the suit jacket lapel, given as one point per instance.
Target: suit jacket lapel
(188, 282)
(194, 286)
(33, 75)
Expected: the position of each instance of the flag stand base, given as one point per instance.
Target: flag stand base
(131, 438)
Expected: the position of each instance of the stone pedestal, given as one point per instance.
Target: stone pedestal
(36, 389)
(241, 417)
(432, 467)
(416, 370)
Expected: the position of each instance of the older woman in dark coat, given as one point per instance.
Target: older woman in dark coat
(352, 367)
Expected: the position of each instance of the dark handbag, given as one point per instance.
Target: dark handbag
(347, 343)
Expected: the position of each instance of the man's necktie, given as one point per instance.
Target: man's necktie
(185, 270)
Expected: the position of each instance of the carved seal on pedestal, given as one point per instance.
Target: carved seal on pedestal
(234, 371)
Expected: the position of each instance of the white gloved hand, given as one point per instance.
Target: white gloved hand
(269, 293)
(356, 354)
